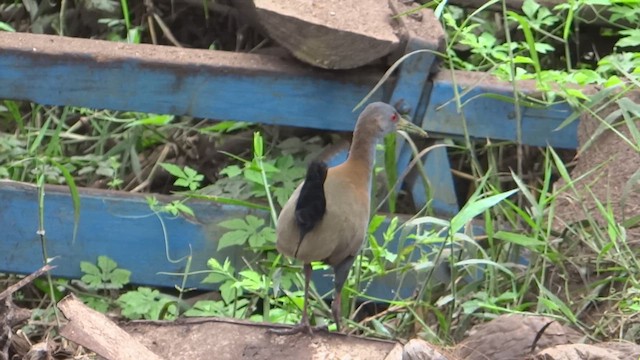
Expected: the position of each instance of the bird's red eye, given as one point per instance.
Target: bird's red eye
(394, 118)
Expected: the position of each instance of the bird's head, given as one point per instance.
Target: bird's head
(383, 119)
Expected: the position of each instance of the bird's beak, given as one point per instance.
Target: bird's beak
(411, 128)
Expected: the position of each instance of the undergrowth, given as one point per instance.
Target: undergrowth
(502, 253)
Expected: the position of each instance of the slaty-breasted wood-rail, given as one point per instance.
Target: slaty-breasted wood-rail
(327, 216)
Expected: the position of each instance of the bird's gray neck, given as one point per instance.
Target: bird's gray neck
(363, 147)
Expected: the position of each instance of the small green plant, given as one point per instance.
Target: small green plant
(102, 280)
(146, 303)
(186, 178)
(248, 231)
(105, 275)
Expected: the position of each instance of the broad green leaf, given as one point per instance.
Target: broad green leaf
(254, 222)
(529, 8)
(234, 224)
(231, 171)
(253, 277)
(99, 304)
(231, 238)
(214, 278)
(106, 264)
(228, 292)
(120, 277)
(89, 268)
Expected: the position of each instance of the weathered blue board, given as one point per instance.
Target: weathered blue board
(122, 226)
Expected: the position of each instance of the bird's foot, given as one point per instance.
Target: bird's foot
(300, 328)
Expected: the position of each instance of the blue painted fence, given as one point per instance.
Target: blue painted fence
(225, 86)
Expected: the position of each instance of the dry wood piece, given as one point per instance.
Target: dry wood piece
(395, 353)
(24, 281)
(10, 314)
(332, 34)
(95, 331)
(418, 349)
(513, 337)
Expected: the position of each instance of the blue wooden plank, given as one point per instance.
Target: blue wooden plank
(159, 79)
(121, 226)
(214, 84)
(412, 89)
(444, 199)
(494, 118)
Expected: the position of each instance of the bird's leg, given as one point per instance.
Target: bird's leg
(304, 322)
(305, 316)
(340, 271)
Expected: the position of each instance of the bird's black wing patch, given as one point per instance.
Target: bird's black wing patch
(312, 203)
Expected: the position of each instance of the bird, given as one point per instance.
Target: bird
(327, 216)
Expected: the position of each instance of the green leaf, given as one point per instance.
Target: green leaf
(142, 303)
(96, 303)
(182, 183)
(106, 264)
(228, 292)
(528, 35)
(613, 80)
(75, 197)
(234, 224)
(226, 126)
(183, 208)
(89, 268)
(6, 27)
(173, 170)
(251, 279)
(120, 277)
(253, 222)
(157, 120)
(391, 170)
(576, 93)
(522, 60)
(215, 277)
(529, 8)
(475, 208)
(519, 239)
(206, 308)
(231, 238)
(92, 281)
(631, 38)
(231, 171)
(214, 264)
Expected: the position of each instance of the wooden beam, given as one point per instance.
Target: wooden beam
(55, 70)
(488, 111)
(121, 226)
(220, 85)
